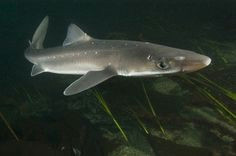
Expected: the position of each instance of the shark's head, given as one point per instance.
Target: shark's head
(166, 60)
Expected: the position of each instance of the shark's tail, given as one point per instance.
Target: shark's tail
(39, 34)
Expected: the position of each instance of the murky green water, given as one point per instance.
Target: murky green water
(167, 116)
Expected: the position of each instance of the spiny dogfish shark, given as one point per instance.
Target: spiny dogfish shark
(98, 60)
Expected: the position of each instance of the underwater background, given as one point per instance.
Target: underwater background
(191, 114)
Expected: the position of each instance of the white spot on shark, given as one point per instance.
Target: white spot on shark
(179, 58)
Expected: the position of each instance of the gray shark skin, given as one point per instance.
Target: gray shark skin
(98, 60)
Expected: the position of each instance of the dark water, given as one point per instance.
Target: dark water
(190, 115)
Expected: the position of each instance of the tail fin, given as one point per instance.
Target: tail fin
(39, 34)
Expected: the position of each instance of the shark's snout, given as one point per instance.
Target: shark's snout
(195, 63)
(207, 61)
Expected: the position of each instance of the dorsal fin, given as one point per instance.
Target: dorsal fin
(75, 34)
(39, 35)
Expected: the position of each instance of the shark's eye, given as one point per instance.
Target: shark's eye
(162, 65)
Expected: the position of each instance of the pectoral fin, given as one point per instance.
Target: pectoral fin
(36, 69)
(89, 80)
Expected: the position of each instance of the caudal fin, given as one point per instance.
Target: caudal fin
(39, 34)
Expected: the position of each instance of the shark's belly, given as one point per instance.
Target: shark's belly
(70, 69)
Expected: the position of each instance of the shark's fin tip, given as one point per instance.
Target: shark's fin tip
(66, 93)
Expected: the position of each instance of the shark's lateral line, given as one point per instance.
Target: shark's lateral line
(98, 60)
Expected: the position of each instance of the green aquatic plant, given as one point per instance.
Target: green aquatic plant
(226, 92)
(139, 121)
(221, 108)
(148, 101)
(108, 111)
(219, 103)
(156, 117)
(9, 127)
(202, 88)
